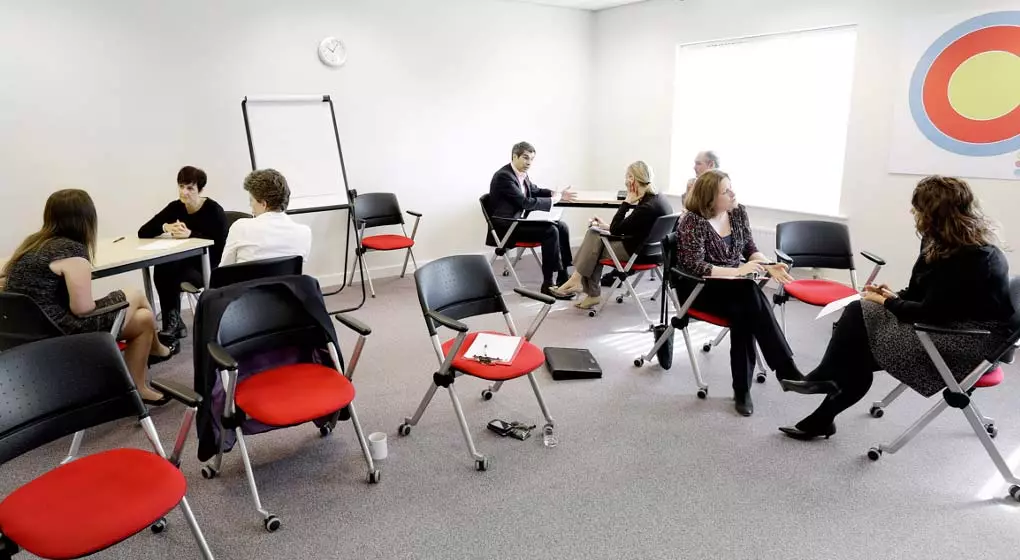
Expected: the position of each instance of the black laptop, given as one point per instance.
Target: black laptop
(571, 363)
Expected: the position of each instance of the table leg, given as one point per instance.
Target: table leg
(147, 282)
(206, 267)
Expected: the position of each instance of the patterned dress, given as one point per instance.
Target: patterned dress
(31, 276)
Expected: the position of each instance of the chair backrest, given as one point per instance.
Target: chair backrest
(1014, 296)
(253, 270)
(233, 215)
(459, 286)
(377, 209)
(22, 321)
(816, 244)
(483, 201)
(58, 386)
(265, 318)
(663, 225)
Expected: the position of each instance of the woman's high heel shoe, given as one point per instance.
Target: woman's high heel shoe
(808, 387)
(809, 434)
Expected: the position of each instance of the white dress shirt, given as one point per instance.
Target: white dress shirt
(268, 235)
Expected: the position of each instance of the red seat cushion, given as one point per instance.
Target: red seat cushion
(387, 242)
(527, 245)
(636, 267)
(294, 394)
(990, 379)
(708, 318)
(91, 503)
(529, 358)
(121, 345)
(818, 292)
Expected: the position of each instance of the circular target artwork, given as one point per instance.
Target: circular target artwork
(964, 93)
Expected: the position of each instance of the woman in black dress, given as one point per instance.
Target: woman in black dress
(53, 267)
(191, 215)
(961, 279)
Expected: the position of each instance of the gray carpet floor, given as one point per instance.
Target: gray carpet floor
(643, 468)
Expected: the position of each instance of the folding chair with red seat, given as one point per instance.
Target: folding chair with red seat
(681, 281)
(959, 395)
(818, 244)
(58, 386)
(454, 288)
(647, 259)
(503, 244)
(371, 210)
(270, 361)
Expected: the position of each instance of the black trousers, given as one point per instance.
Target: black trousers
(555, 240)
(849, 363)
(747, 308)
(168, 277)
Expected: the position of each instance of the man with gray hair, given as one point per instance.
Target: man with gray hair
(270, 233)
(702, 162)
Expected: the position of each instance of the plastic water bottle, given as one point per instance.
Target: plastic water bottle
(548, 437)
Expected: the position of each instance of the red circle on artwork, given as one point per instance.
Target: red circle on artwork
(936, 87)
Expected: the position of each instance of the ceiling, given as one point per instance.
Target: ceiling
(583, 4)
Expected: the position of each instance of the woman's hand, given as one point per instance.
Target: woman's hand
(633, 197)
(181, 231)
(750, 267)
(780, 273)
(882, 290)
(873, 297)
(597, 222)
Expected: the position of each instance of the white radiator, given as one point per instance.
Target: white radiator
(765, 239)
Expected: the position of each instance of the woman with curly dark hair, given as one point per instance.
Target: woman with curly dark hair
(960, 279)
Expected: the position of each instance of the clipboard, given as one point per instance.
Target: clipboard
(494, 349)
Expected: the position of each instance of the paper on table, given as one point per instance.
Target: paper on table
(496, 347)
(543, 216)
(162, 244)
(837, 305)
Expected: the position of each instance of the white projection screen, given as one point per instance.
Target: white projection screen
(296, 135)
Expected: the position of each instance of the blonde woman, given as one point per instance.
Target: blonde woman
(633, 220)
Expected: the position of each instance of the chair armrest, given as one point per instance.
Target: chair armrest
(221, 356)
(511, 220)
(107, 309)
(537, 296)
(189, 288)
(413, 213)
(178, 392)
(783, 257)
(685, 276)
(1005, 353)
(935, 329)
(353, 324)
(609, 236)
(873, 258)
(446, 321)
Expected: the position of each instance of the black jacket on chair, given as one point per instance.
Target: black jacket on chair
(507, 200)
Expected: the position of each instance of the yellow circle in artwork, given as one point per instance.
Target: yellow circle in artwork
(986, 86)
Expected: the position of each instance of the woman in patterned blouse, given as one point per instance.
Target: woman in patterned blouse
(714, 237)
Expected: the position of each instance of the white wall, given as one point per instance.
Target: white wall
(633, 89)
(113, 97)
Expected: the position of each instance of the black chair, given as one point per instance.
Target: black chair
(371, 210)
(22, 322)
(503, 245)
(818, 244)
(59, 386)
(251, 270)
(687, 288)
(233, 215)
(959, 395)
(649, 258)
(454, 288)
(270, 347)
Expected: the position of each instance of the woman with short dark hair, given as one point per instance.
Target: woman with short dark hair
(191, 215)
(960, 280)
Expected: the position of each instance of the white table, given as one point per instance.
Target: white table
(128, 253)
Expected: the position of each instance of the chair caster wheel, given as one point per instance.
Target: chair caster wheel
(874, 454)
(325, 430)
(404, 429)
(487, 395)
(707, 347)
(619, 299)
(482, 464)
(877, 412)
(159, 526)
(208, 472)
(374, 476)
(702, 393)
(272, 523)
(1014, 492)
(760, 378)
(592, 313)
(638, 362)
(992, 430)
(506, 273)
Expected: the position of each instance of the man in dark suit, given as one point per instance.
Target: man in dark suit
(513, 195)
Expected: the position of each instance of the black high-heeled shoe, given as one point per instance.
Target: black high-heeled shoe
(175, 348)
(808, 387)
(809, 434)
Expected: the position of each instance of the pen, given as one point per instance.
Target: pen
(118, 239)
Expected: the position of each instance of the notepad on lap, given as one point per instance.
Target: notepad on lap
(543, 216)
(494, 348)
(837, 305)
